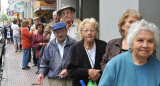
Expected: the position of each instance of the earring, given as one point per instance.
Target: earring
(130, 50)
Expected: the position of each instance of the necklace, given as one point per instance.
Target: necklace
(91, 53)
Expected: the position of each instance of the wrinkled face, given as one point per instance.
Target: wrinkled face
(36, 21)
(30, 21)
(60, 34)
(130, 20)
(89, 32)
(39, 28)
(56, 18)
(67, 15)
(143, 44)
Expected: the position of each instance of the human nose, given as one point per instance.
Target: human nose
(145, 44)
(89, 31)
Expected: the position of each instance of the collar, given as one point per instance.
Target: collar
(64, 43)
(118, 42)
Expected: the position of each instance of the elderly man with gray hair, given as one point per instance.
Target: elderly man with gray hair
(56, 57)
(48, 34)
(138, 66)
(67, 15)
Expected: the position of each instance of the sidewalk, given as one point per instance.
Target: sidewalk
(13, 75)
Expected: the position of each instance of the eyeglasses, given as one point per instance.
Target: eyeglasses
(59, 32)
(91, 31)
(66, 13)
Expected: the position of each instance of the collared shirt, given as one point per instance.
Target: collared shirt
(52, 34)
(61, 47)
(73, 30)
(91, 55)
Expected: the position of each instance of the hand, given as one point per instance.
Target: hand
(63, 73)
(40, 79)
(93, 74)
(40, 44)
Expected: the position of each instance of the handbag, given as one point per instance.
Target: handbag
(92, 83)
(8, 35)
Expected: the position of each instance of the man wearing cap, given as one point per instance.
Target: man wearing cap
(56, 58)
(48, 34)
(67, 15)
(33, 27)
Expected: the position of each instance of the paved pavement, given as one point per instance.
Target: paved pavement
(13, 75)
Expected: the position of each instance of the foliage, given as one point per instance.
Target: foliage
(4, 17)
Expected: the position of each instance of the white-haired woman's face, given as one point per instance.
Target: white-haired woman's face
(130, 20)
(143, 44)
(89, 32)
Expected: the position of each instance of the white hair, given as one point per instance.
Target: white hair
(142, 25)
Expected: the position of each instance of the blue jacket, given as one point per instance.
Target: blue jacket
(120, 71)
(51, 62)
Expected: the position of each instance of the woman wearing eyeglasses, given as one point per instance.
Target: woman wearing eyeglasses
(87, 54)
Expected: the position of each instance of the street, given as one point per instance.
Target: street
(13, 75)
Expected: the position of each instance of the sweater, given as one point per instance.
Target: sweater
(26, 38)
(120, 71)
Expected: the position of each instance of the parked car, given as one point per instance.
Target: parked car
(2, 44)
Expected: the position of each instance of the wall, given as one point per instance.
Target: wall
(150, 11)
(110, 13)
(90, 8)
(28, 10)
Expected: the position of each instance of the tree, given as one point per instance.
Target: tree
(4, 17)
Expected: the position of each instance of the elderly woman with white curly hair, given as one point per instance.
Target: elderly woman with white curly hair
(136, 67)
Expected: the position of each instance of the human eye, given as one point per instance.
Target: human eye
(85, 31)
(130, 21)
(151, 41)
(139, 40)
(92, 30)
(63, 13)
(67, 12)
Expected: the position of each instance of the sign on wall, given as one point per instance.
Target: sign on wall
(19, 7)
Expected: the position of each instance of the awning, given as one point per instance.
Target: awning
(46, 0)
(45, 8)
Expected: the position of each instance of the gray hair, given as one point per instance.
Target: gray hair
(142, 25)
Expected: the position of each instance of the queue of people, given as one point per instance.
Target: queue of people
(129, 60)
(68, 50)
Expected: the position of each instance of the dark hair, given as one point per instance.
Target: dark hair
(41, 18)
(15, 21)
(40, 24)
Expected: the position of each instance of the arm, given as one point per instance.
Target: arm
(45, 60)
(27, 33)
(74, 69)
(35, 41)
(47, 32)
(40, 79)
(105, 57)
(108, 76)
(63, 73)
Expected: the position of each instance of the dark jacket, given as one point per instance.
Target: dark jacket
(5, 31)
(113, 48)
(79, 64)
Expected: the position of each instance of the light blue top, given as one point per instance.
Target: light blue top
(120, 71)
(142, 74)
